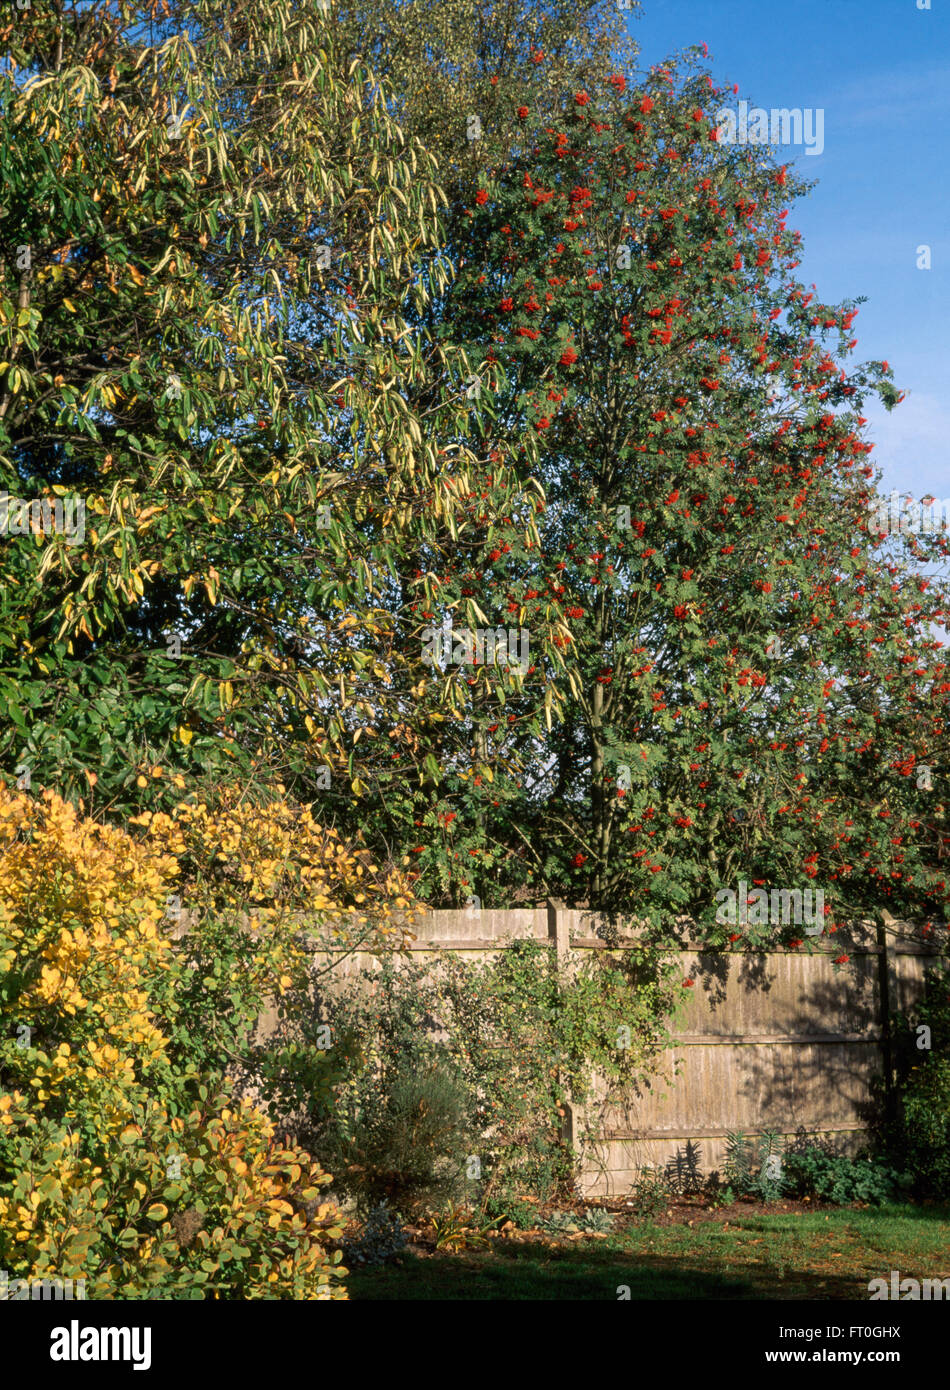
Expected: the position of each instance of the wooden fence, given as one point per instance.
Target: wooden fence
(774, 1040)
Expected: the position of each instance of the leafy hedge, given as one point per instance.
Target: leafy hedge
(920, 1134)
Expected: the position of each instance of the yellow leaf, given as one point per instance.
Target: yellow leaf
(186, 735)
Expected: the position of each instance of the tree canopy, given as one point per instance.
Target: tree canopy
(456, 447)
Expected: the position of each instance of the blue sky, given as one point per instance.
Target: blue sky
(880, 70)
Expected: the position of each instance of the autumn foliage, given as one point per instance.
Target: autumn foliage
(516, 342)
(126, 1158)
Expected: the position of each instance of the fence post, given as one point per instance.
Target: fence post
(557, 930)
(884, 994)
(559, 938)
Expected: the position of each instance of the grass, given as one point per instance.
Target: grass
(825, 1254)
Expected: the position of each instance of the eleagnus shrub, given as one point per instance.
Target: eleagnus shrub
(124, 1159)
(205, 1204)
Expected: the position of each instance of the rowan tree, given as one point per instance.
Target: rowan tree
(755, 670)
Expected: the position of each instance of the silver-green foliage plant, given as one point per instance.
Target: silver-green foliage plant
(381, 1239)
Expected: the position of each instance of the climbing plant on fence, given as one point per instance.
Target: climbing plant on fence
(521, 1041)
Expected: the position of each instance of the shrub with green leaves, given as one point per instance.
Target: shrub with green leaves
(401, 1135)
(813, 1172)
(919, 1139)
(508, 1206)
(522, 1040)
(651, 1193)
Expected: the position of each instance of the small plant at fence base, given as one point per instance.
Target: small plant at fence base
(753, 1167)
(596, 1221)
(812, 1172)
(558, 1223)
(683, 1170)
(651, 1193)
(767, 1169)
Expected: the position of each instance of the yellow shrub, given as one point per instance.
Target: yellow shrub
(274, 859)
(117, 1164)
(81, 950)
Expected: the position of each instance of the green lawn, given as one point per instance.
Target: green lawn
(825, 1254)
